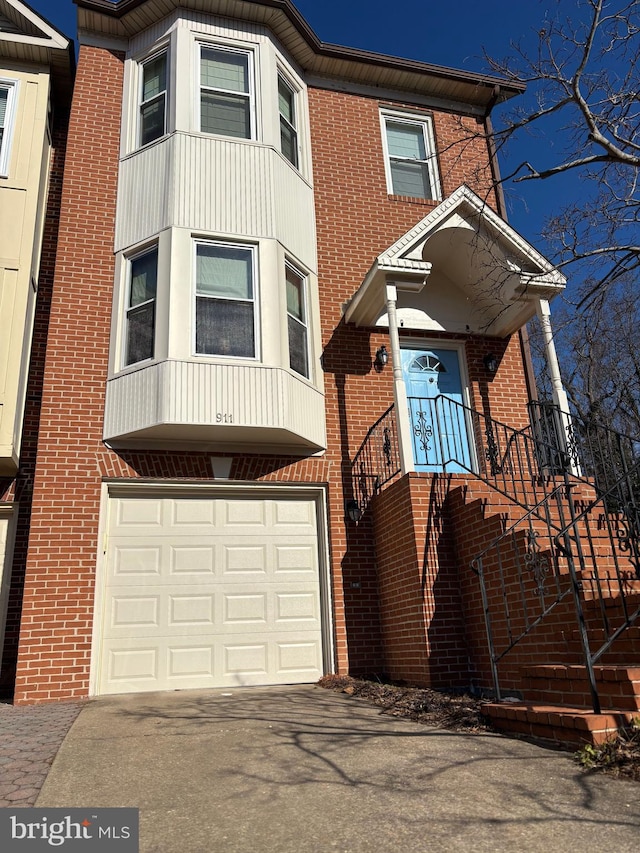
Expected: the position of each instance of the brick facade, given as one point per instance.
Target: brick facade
(356, 220)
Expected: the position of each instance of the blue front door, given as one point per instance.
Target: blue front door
(436, 413)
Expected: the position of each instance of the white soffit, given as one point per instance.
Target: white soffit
(27, 27)
(474, 247)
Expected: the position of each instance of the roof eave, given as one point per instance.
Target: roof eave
(461, 86)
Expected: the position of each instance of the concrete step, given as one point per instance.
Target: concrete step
(558, 684)
(557, 725)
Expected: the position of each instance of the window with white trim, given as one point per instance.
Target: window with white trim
(153, 98)
(297, 325)
(225, 322)
(7, 99)
(141, 307)
(226, 92)
(410, 156)
(288, 121)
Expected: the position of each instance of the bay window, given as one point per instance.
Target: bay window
(141, 307)
(226, 92)
(225, 300)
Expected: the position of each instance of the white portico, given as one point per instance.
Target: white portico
(461, 269)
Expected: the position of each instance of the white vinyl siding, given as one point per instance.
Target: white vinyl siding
(225, 300)
(297, 326)
(410, 157)
(141, 305)
(153, 98)
(7, 102)
(226, 92)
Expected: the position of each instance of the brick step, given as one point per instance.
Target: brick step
(559, 684)
(624, 652)
(557, 725)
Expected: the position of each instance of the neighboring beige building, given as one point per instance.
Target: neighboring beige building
(35, 70)
(36, 74)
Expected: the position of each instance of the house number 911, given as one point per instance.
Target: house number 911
(224, 418)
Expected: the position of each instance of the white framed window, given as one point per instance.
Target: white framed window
(7, 106)
(140, 314)
(410, 157)
(225, 310)
(153, 98)
(226, 91)
(288, 120)
(297, 321)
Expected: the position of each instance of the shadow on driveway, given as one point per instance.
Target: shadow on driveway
(304, 769)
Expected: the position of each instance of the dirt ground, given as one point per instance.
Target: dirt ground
(464, 713)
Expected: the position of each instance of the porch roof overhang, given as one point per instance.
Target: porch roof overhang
(464, 242)
(369, 300)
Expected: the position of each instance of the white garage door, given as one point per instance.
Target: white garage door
(209, 592)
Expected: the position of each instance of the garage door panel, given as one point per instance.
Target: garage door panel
(247, 560)
(299, 560)
(245, 513)
(303, 657)
(139, 666)
(136, 613)
(187, 515)
(138, 515)
(131, 561)
(296, 514)
(193, 558)
(205, 592)
(166, 562)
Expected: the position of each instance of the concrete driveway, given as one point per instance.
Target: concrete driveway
(299, 769)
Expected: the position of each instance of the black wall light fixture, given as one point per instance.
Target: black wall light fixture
(353, 511)
(382, 357)
(490, 362)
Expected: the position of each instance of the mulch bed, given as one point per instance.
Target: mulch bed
(620, 757)
(448, 711)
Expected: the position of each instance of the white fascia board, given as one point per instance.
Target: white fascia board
(35, 41)
(411, 243)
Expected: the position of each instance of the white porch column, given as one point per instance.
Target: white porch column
(558, 394)
(399, 389)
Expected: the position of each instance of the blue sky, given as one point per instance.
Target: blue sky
(452, 34)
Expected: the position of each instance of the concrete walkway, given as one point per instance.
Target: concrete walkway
(290, 770)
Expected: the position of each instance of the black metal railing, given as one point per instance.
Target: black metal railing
(522, 464)
(601, 545)
(591, 450)
(378, 460)
(449, 437)
(568, 540)
(591, 552)
(520, 578)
